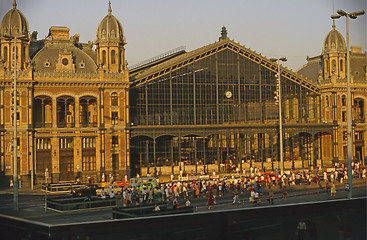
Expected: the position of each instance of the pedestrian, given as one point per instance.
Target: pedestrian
(156, 208)
(236, 197)
(257, 198)
(210, 203)
(333, 190)
(284, 194)
(11, 183)
(175, 204)
(301, 230)
(271, 196)
(327, 187)
(187, 203)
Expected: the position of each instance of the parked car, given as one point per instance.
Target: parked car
(116, 189)
(87, 190)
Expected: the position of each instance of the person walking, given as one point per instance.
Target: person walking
(284, 194)
(236, 197)
(333, 190)
(271, 196)
(301, 230)
(210, 203)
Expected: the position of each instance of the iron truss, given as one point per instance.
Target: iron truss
(212, 49)
(157, 131)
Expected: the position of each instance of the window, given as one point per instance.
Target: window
(113, 61)
(5, 54)
(345, 135)
(89, 163)
(89, 142)
(65, 61)
(114, 118)
(358, 135)
(43, 143)
(341, 65)
(115, 141)
(344, 100)
(103, 57)
(114, 99)
(327, 101)
(344, 116)
(18, 119)
(333, 66)
(65, 143)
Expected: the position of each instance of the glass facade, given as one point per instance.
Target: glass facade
(221, 110)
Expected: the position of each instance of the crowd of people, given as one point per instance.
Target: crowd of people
(251, 182)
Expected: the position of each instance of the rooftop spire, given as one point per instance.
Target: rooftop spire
(109, 7)
(223, 33)
(14, 4)
(333, 18)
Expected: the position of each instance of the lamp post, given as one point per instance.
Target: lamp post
(352, 15)
(279, 99)
(15, 147)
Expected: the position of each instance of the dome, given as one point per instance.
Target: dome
(334, 41)
(47, 59)
(14, 23)
(110, 28)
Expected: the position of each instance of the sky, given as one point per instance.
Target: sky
(274, 28)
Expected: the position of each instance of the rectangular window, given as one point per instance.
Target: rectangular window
(88, 142)
(114, 118)
(344, 116)
(18, 119)
(345, 136)
(65, 143)
(115, 141)
(89, 163)
(43, 143)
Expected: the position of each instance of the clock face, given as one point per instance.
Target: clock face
(228, 94)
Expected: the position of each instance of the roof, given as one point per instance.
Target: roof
(314, 66)
(312, 69)
(48, 57)
(180, 61)
(334, 41)
(110, 28)
(14, 23)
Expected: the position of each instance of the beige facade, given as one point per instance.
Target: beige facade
(329, 70)
(71, 102)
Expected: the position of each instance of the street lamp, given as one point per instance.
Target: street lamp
(15, 147)
(278, 97)
(352, 15)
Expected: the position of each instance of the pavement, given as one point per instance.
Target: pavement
(31, 201)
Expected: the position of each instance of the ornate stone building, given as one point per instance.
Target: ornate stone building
(72, 101)
(328, 71)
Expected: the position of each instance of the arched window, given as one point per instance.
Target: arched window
(114, 99)
(103, 57)
(344, 101)
(113, 61)
(5, 54)
(327, 101)
(333, 66)
(359, 110)
(341, 65)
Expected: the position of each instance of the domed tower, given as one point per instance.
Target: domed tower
(110, 44)
(334, 55)
(14, 28)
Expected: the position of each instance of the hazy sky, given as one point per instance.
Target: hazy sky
(275, 28)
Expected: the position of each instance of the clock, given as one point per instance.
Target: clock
(228, 94)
